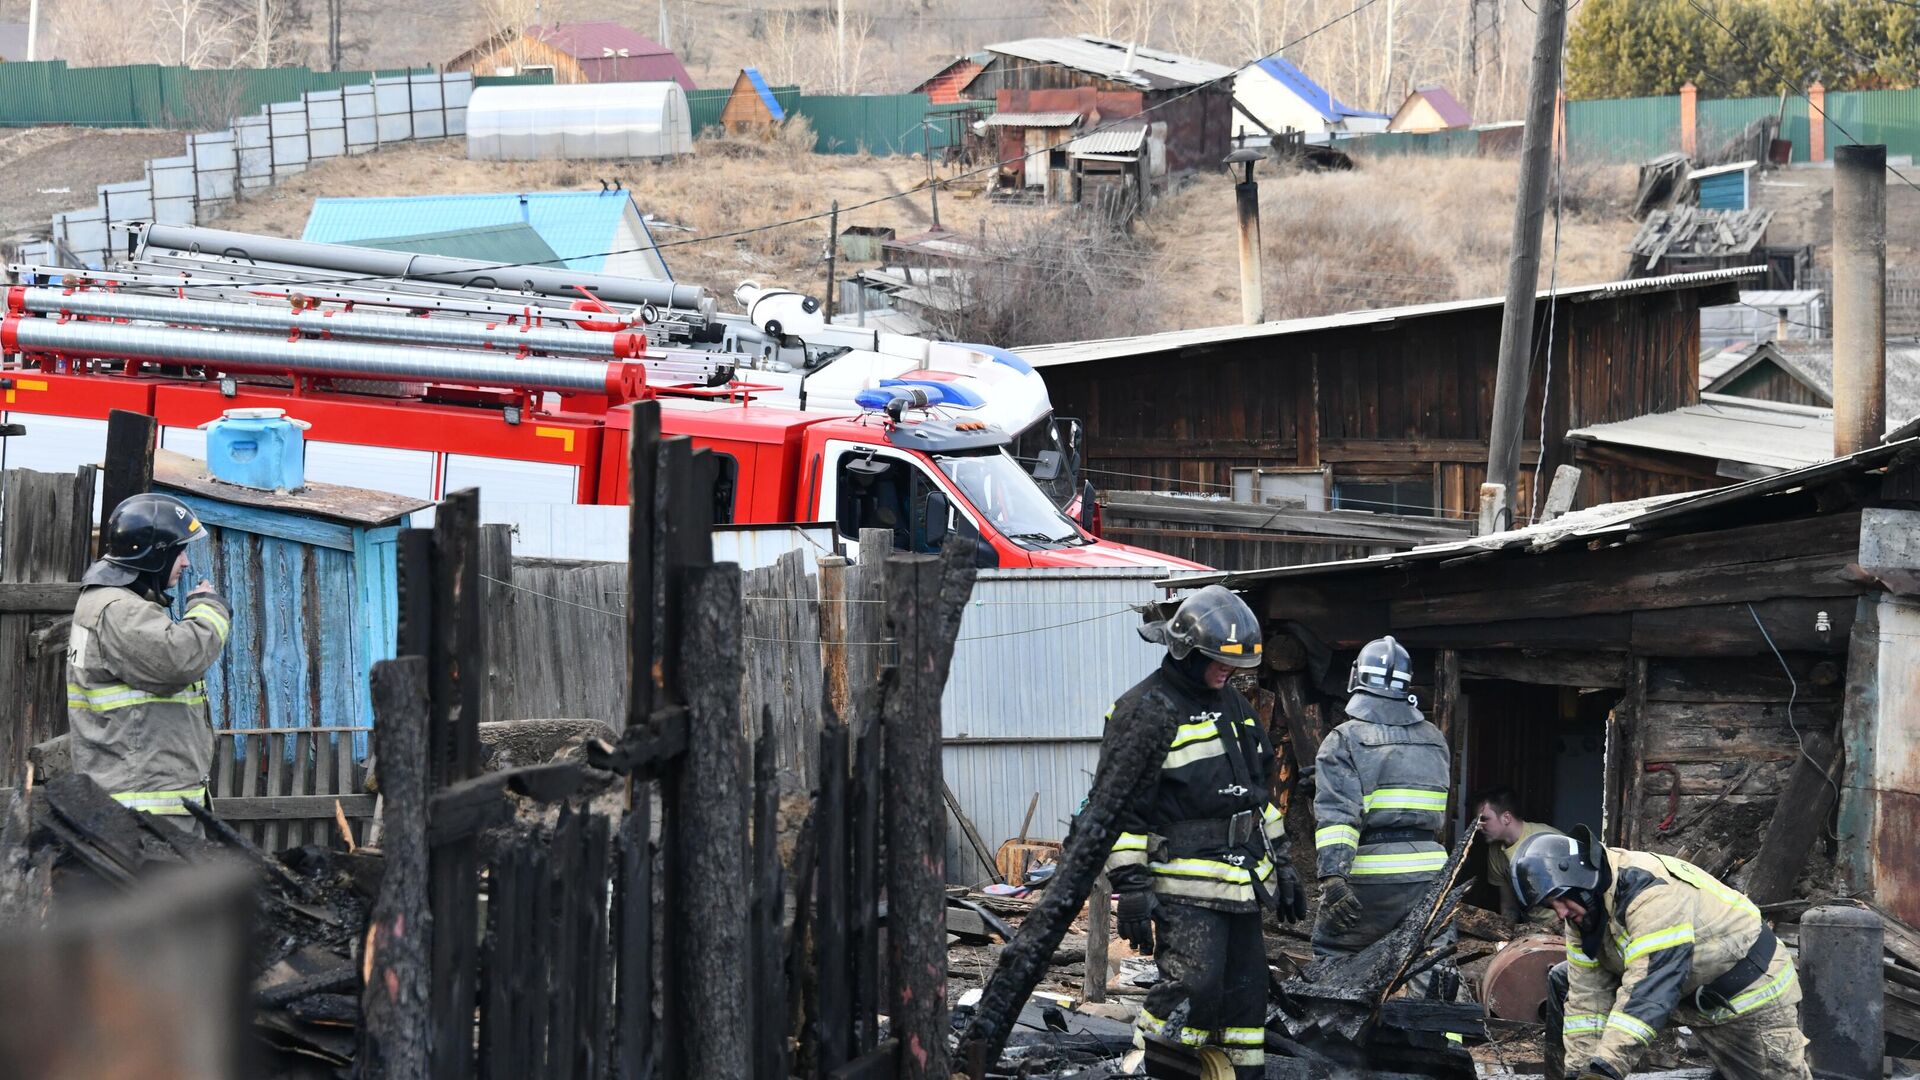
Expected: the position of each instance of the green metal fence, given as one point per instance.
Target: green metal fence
(1461, 142)
(1628, 129)
(150, 95)
(1721, 119)
(1891, 117)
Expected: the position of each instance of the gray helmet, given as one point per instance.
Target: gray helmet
(1216, 622)
(1547, 866)
(1382, 669)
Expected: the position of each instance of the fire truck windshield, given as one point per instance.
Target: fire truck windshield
(1007, 497)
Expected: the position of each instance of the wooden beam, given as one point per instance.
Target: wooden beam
(395, 1002)
(40, 597)
(1108, 448)
(1729, 629)
(129, 460)
(1464, 451)
(1345, 524)
(1583, 669)
(291, 807)
(1798, 820)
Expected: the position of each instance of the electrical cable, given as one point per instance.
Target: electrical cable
(1793, 695)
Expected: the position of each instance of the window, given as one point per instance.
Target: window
(881, 492)
(1385, 496)
(726, 481)
(1308, 486)
(1007, 497)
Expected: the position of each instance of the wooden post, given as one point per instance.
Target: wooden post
(707, 807)
(928, 596)
(834, 1001)
(1798, 819)
(1631, 714)
(767, 956)
(394, 1003)
(834, 580)
(633, 1020)
(497, 701)
(1093, 983)
(1566, 485)
(129, 461)
(866, 629)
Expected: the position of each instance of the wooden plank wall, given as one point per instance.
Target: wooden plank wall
(785, 676)
(556, 636)
(45, 536)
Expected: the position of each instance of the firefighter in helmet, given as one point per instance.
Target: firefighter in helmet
(1380, 799)
(1201, 847)
(1652, 938)
(135, 700)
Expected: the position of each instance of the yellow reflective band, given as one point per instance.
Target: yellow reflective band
(1210, 870)
(1454, 1037)
(121, 696)
(1193, 752)
(1192, 733)
(1243, 1036)
(1270, 812)
(1664, 939)
(1336, 836)
(1131, 841)
(1582, 1023)
(1236, 648)
(1763, 994)
(209, 614)
(1404, 799)
(1708, 884)
(1578, 958)
(160, 802)
(1622, 1022)
(1408, 863)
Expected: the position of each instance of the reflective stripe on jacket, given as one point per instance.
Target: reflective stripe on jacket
(135, 700)
(1386, 767)
(1195, 781)
(1669, 929)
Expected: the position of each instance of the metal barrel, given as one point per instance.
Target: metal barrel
(468, 273)
(1842, 1008)
(248, 352)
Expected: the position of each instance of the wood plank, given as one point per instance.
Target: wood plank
(131, 438)
(1800, 818)
(293, 808)
(1346, 524)
(633, 937)
(40, 597)
(1468, 451)
(866, 622)
(1760, 679)
(456, 653)
(768, 978)
(1108, 448)
(334, 502)
(1680, 730)
(833, 1000)
(1093, 982)
(395, 1028)
(1596, 669)
(1729, 629)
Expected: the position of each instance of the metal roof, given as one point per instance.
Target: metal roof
(1738, 166)
(1110, 141)
(1770, 435)
(580, 226)
(766, 95)
(1812, 362)
(1078, 352)
(1321, 99)
(593, 40)
(517, 243)
(1452, 113)
(1033, 119)
(1615, 520)
(1148, 69)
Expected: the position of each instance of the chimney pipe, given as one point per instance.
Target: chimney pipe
(1859, 297)
(1246, 202)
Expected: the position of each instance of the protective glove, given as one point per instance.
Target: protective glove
(1136, 919)
(1289, 899)
(1338, 906)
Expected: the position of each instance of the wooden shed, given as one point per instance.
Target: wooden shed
(1681, 673)
(311, 576)
(751, 105)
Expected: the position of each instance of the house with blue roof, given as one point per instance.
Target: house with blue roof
(751, 105)
(598, 231)
(1273, 96)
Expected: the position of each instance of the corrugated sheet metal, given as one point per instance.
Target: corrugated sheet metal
(1040, 657)
(704, 106)
(1113, 141)
(580, 226)
(1630, 129)
(1033, 119)
(148, 95)
(1766, 434)
(590, 40)
(1891, 117)
(1116, 60)
(1725, 191)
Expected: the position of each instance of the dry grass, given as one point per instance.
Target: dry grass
(1394, 231)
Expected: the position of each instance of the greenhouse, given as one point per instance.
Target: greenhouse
(578, 121)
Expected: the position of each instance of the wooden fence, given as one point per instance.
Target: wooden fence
(46, 527)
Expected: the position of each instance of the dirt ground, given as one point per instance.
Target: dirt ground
(44, 171)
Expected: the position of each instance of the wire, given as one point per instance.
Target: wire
(824, 214)
(1793, 695)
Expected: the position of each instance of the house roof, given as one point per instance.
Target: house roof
(1148, 69)
(945, 86)
(1769, 436)
(1719, 170)
(593, 40)
(1127, 140)
(516, 243)
(580, 226)
(1078, 352)
(1033, 119)
(1610, 521)
(1721, 370)
(1452, 113)
(1812, 362)
(13, 42)
(766, 93)
(1316, 96)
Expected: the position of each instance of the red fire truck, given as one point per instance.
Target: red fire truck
(426, 420)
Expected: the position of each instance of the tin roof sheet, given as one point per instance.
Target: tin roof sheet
(1318, 97)
(1745, 431)
(1149, 69)
(1109, 141)
(1454, 114)
(580, 226)
(1033, 119)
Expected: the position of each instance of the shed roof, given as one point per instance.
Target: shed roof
(13, 42)
(1033, 119)
(766, 93)
(333, 502)
(593, 40)
(1719, 170)
(1719, 371)
(1077, 352)
(945, 86)
(1330, 108)
(1769, 435)
(1137, 65)
(1110, 141)
(517, 243)
(1812, 361)
(1454, 114)
(578, 225)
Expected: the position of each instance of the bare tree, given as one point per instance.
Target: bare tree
(509, 23)
(198, 33)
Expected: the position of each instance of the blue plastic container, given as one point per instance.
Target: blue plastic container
(258, 448)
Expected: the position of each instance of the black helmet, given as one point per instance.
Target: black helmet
(146, 533)
(1382, 669)
(1214, 621)
(1547, 866)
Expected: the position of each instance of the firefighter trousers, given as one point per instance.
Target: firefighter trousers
(1213, 967)
(1765, 1044)
(1382, 908)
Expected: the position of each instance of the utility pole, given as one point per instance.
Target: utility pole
(1523, 271)
(840, 46)
(833, 249)
(933, 186)
(666, 38)
(1386, 91)
(1859, 297)
(33, 30)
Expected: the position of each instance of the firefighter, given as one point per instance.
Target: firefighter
(1498, 811)
(1380, 799)
(1652, 938)
(135, 700)
(1201, 846)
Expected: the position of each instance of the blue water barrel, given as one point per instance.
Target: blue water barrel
(258, 448)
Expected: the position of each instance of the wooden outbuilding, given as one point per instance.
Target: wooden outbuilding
(751, 105)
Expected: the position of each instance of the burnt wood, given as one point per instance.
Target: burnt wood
(768, 976)
(833, 962)
(395, 1002)
(633, 938)
(1799, 818)
(129, 459)
(43, 597)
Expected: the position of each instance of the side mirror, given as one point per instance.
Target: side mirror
(1047, 465)
(937, 514)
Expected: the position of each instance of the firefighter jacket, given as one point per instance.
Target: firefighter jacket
(1199, 829)
(135, 700)
(1380, 795)
(1664, 930)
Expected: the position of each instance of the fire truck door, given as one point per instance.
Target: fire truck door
(869, 487)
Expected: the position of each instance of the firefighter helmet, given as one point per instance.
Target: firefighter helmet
(1547, 866)
(1214, 621)
(1382, 669)
(146, 532)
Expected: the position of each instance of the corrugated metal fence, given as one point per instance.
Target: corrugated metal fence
(1631, 129)
(150, 95)
(1891, 117)
(1041, 656)
(704, 106)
